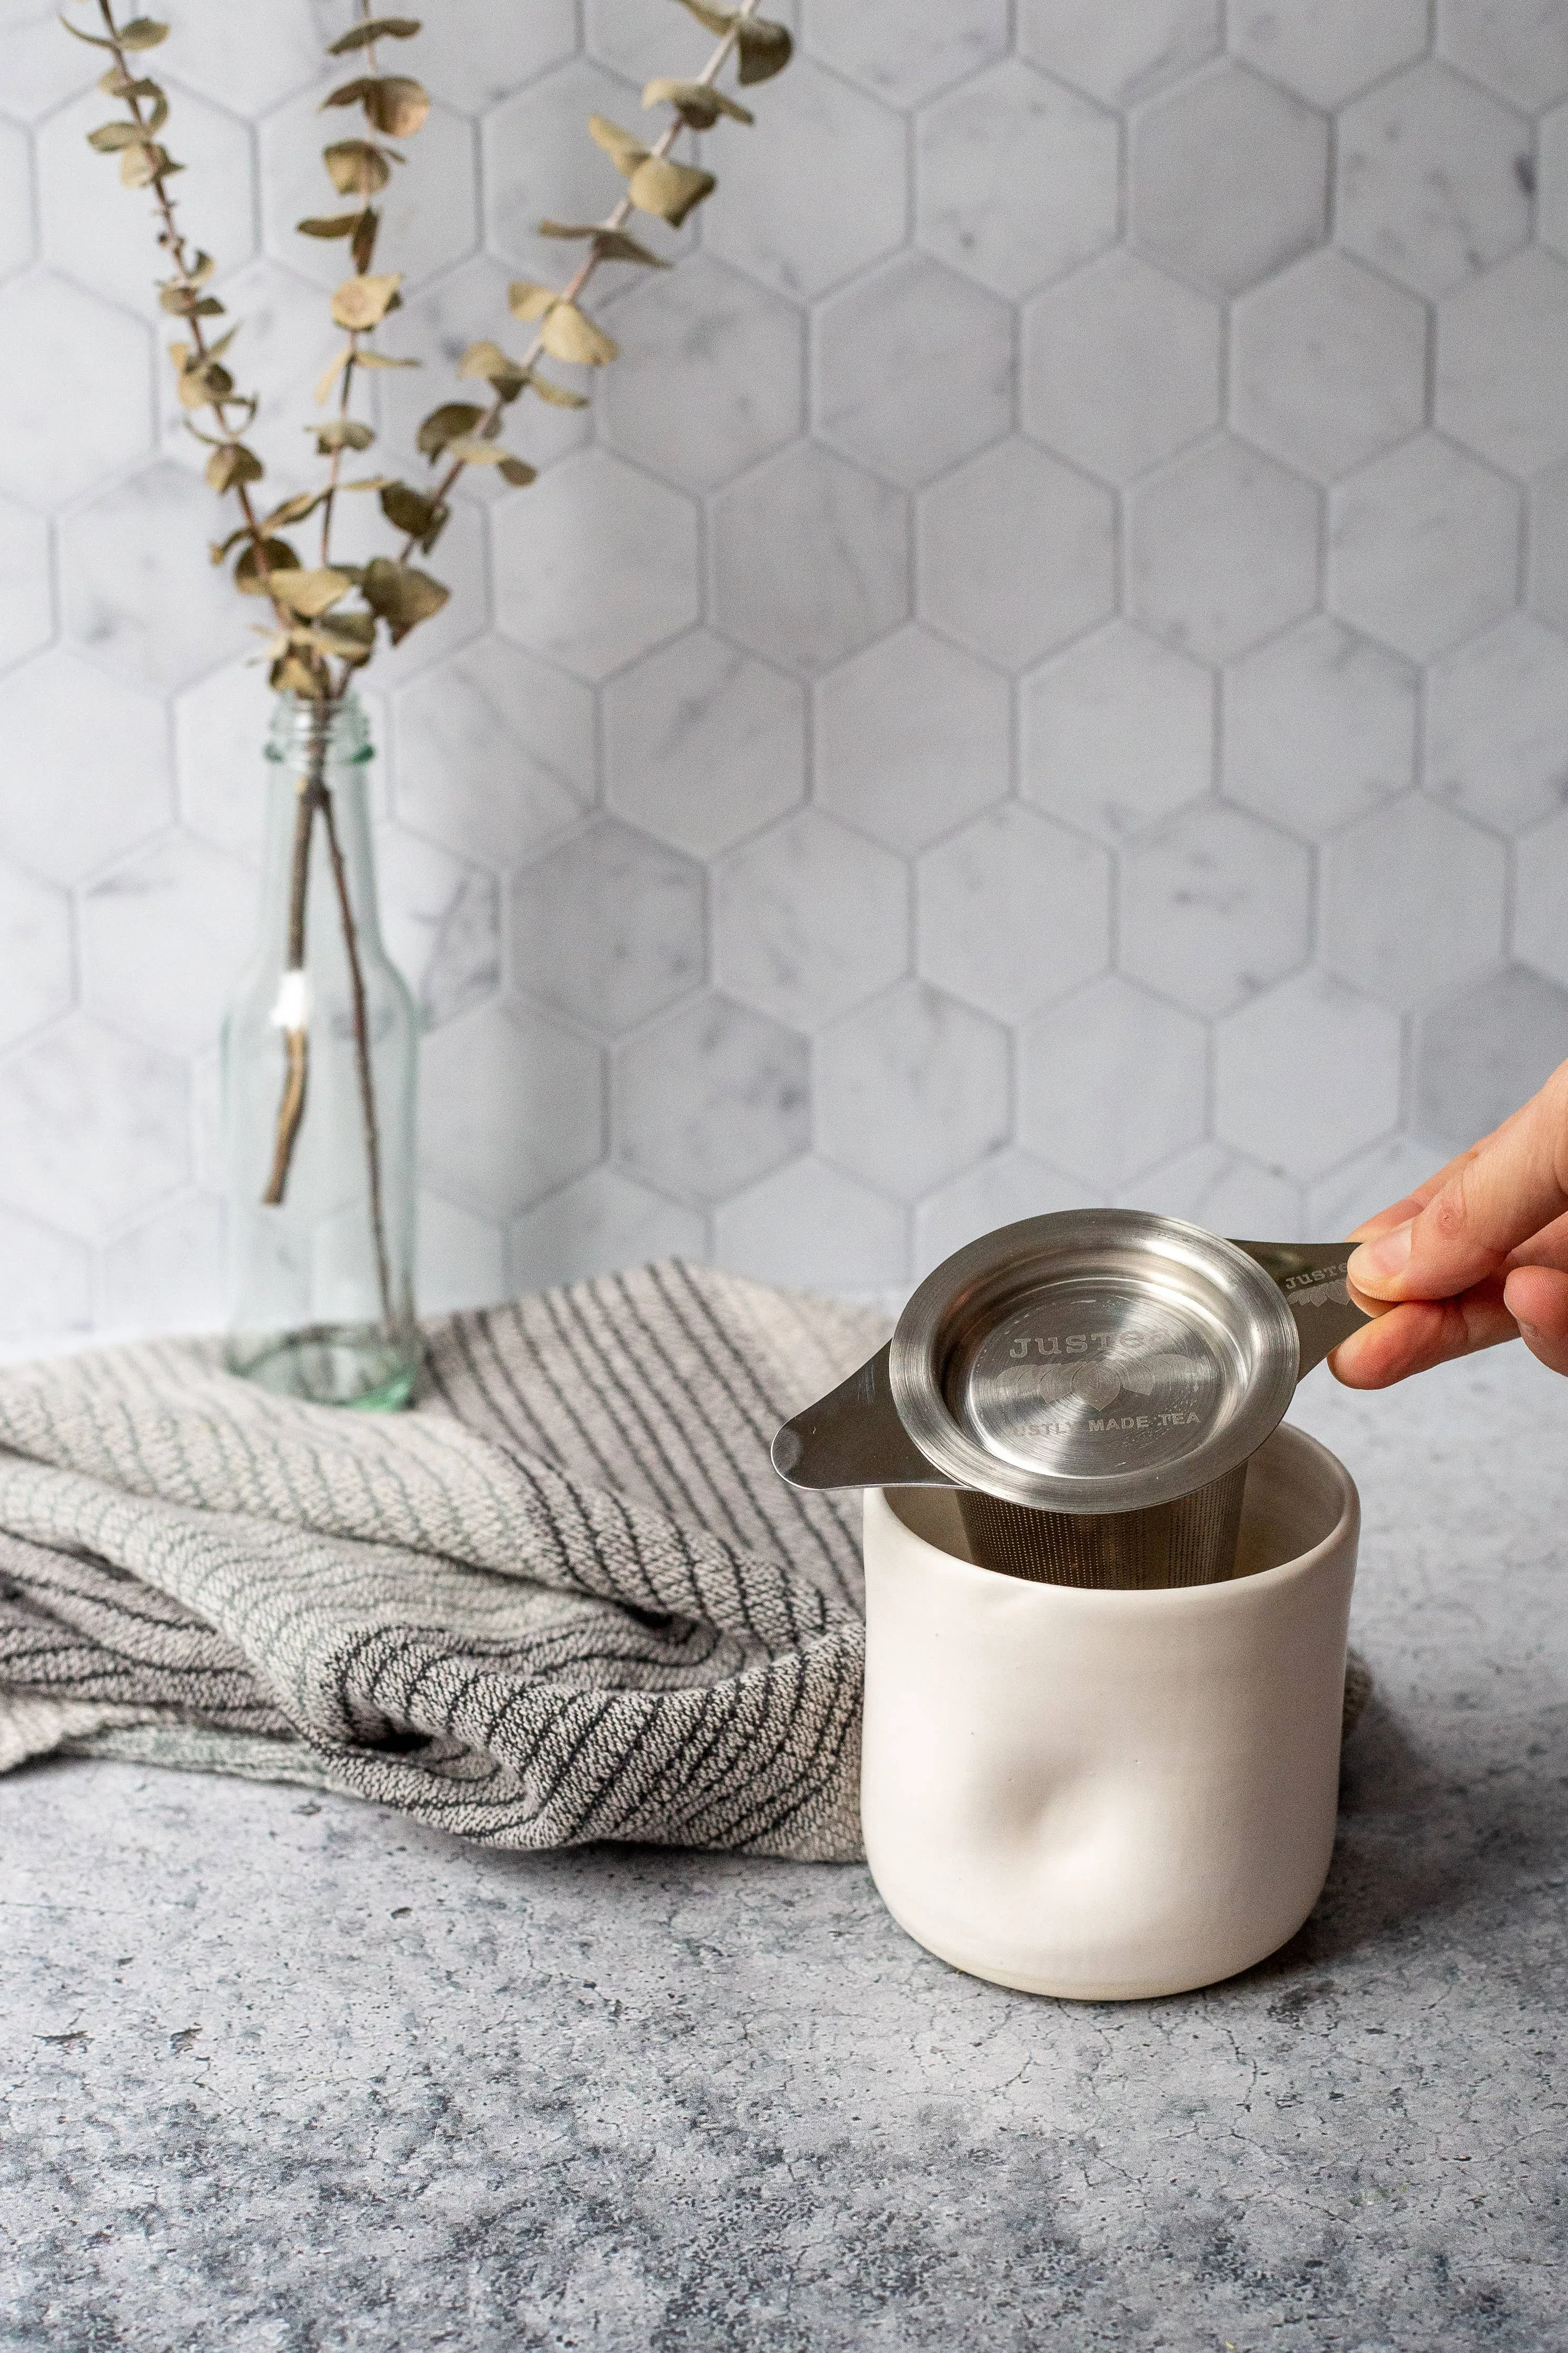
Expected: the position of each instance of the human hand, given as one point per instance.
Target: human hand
(1477, 1254)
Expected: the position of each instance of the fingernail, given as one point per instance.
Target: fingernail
(1373, 1262)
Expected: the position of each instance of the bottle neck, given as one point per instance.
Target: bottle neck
(315, 735)
(318, 814)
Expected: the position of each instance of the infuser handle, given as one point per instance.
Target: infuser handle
(1312, 1277)
(854, 1438)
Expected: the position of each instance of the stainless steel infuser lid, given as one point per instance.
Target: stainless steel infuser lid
(1098, 1361)
(1092, 1361)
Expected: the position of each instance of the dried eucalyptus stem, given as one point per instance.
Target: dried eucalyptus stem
(656, 185)
(321, 637)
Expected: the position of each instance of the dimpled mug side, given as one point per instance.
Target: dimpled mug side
(1102, 1795)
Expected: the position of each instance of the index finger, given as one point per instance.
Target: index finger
(1481, 1207)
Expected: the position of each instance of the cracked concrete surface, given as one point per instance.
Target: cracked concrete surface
(285, 2076)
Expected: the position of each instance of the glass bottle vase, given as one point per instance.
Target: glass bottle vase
(320, 1061)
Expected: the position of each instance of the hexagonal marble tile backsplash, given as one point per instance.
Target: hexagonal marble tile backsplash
(1043, 677)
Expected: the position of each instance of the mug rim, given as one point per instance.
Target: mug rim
(1192, 1597)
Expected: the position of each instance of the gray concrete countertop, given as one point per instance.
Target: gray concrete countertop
(284, 2075)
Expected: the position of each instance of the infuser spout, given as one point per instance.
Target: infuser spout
(854, 1438)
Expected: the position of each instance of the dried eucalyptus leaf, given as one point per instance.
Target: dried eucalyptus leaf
(555, 396)
(668, 189)
(185, 302)
(570, 334)
(199, 376)
(362, 245)
(378, 28)
(143, 33)
(614, 245)
(526, 298)
(341, 433)
(624, 151)
(220, 440)
(331, 372)
(369, 359)
(447, 423)
(356, 167)
(115, 84)
(332, 225)
(394, 103)
(609, 244)
(247, 574)
(350, 629)
(398, 105)
(400, 596)
(407, 510)
(109, 137)
(230, 464)
(487, 361)
(363, 302)
(291, 675)
(697, 103)
(518, 471)
(313, 592)
(765, 50)
(293, 510)
(368, 482)
(333, 635)
(469, 449)
(142, 164)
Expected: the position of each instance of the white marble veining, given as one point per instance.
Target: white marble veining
(704, 744)
(1221, 550)
(1430, 187)
(1320, 726)
(837, 570)
(912, 1088)
(1329, 365)
(1017, 180)
(809, 919)
(1048, 648)
(1012, 912)
(1121, 366)
(1116, 731)
(1113, 1084)
(914, 369)
(1229, 178)
(1215, 907)
(1307, 1074)
(1413, 899)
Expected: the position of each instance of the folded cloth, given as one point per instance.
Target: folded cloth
(564, 1597)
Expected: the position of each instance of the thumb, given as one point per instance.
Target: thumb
(1494, 1200)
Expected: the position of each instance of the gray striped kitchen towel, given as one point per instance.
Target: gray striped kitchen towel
(564, 1597)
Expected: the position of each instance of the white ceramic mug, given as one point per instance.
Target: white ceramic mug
(1108, 1795)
